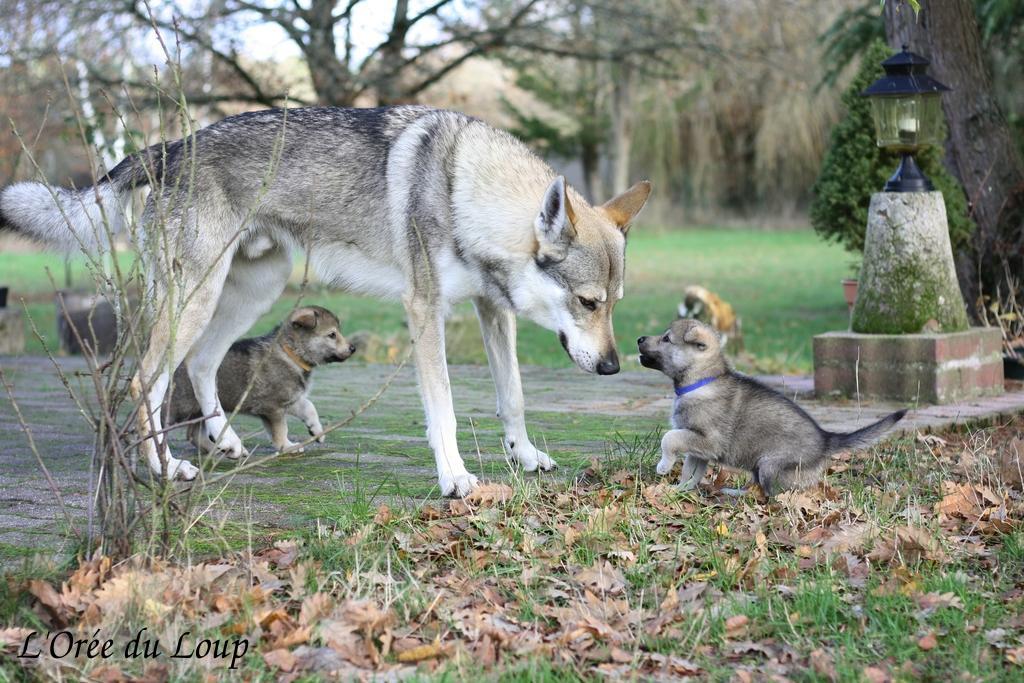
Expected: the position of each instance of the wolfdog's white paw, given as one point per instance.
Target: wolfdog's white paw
(457, 485)
(229, 444)
(529, 458)
(181, 469)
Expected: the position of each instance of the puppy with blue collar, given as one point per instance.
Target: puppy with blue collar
(736, 421)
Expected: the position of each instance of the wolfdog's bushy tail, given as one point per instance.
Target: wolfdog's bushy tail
(862, 437)
(70, 219)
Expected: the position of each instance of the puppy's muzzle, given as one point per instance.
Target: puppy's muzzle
(647, 360)
(344, 355)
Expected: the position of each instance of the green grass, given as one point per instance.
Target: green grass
(784, 285)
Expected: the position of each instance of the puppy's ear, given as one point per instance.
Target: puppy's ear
(701, 334)
(553, 226)
(304, 318)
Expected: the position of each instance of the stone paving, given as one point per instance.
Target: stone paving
(383, 453)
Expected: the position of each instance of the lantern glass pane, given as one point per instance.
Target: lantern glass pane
(904, 123)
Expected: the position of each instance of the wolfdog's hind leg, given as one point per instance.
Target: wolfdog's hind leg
(498, 327)
(178, 323)
(250, 288)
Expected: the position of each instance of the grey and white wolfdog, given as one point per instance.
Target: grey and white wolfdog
(427, 206)
(725, 417)
(269, 377)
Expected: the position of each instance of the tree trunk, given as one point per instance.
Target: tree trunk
(590, 159)
(389, 90)
(331, 79)
(622, 127)
(981, 149)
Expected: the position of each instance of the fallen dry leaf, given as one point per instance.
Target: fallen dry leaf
(927, 642)
(314, 607)
(874, 674)
(489, 494)
(109, 674)
(1015, 655)
(46, 595)
(736, 626)
(909, 545)
(602, 578)
(281, 659)
(823, 665)
(432, 650)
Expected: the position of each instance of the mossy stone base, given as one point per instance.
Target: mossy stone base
(12, 331)
(907, 278)
(909, 368)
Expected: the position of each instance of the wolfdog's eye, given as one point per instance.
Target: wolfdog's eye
(332, 335)
(589, 304)
(701, 346)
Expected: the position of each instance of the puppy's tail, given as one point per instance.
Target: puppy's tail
(862, 437)
(74, 219)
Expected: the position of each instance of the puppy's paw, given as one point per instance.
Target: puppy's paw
(687, 485)
(317, 431)
(664, 466)
(457, 485)
(290, 448)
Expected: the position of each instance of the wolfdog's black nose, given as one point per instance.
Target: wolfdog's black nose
(608, 366)
(641, 340)
(351, 348)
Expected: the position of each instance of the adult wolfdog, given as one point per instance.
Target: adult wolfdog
(427, 206)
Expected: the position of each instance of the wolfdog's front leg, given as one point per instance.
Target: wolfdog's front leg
(499, 332)
(426, 325)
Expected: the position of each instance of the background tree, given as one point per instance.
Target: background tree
(982, 150)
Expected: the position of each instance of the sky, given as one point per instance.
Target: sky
(371, 21)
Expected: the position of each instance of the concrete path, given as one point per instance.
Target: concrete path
(383, 454)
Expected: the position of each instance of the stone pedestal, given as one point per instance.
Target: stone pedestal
(909, 368)
(12, 331)
(89, 321)
(907, 278)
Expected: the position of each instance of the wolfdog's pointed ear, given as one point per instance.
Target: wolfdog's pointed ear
(624, 208)
(304, 317)
(553, 226)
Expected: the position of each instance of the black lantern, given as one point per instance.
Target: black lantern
(906, 107)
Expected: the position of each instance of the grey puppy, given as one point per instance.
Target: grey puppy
(734, 420)
(278, 367)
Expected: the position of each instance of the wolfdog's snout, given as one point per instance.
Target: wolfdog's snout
(609, 365)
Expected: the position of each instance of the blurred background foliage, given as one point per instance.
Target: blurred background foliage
(727, 107)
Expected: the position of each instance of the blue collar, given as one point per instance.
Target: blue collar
(695, 386)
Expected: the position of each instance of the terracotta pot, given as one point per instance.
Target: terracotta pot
(850, 292)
